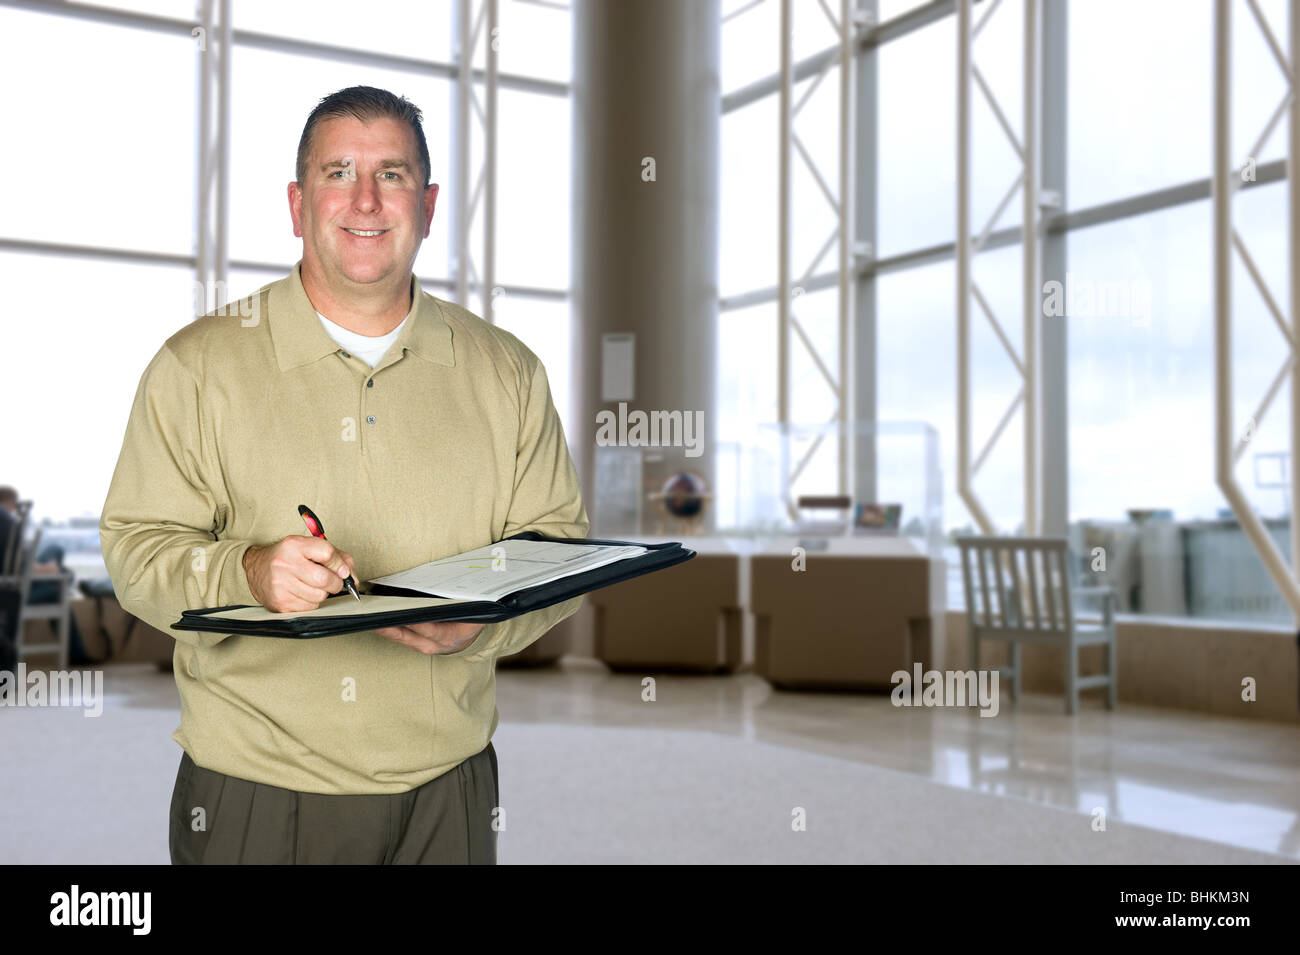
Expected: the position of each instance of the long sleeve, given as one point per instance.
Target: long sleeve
(548, 499)
(160, 524)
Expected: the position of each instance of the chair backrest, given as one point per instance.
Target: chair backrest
(27, 566)
(1017, 583)
(11, 560)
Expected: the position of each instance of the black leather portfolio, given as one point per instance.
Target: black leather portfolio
(388, 606)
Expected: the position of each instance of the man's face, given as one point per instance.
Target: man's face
(362, 178)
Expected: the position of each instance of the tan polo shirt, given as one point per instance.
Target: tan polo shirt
(449, 443)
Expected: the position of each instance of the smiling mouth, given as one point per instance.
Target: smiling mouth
(365, 233)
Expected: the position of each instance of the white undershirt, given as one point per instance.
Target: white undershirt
(369, 349)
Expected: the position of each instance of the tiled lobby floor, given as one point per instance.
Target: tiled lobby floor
(1231, 781)
(653, 778)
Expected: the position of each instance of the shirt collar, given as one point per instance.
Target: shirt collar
(299, 337)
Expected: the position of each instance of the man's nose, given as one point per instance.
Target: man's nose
(365, 195)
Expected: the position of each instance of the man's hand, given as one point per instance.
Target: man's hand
(296, 574)
(437, 637)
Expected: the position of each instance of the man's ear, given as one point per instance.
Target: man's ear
(295, 208)
(430, 199)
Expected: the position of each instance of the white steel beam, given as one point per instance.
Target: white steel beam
(212, 198)
(462, 54)
(847, 282)
(1226, 449)
(963, 269)
(490, 164)
(1293, 245)
(277, 43)
(474, 25)
(783, 220)
(1033, 363)
(840, 383)
(1028, 363)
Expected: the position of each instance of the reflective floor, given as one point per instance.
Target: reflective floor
(1234, 782)
(709, 771)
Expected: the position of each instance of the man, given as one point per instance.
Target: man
(415, 430)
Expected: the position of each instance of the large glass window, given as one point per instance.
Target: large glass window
(176, 9)
(544, 326)
(750, 194)
(813, 219)
(421, 30)
(748, 198)
(916, 365)
(70, 321)
(1141, 97)
(105, 163)
(750, 42)
(1142, 373)
(535, 40)
(1140, 101)
(746, 398)
(533, 188)
(751, 38)
(917, 122)
(1139, 320)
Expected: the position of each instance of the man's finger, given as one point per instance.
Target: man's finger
(408, 637)
(427, 631)
(305, 590)
(336, 563)
(326, 578)
(350, 563)
(316, 549)
(339, 563)
(423, 644)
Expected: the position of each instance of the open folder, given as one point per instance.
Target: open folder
(514, 576)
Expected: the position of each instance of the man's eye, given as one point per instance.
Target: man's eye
(393, 174)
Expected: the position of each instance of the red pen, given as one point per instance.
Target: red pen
(318, 530)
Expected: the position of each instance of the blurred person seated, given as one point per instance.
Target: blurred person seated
(48, 561)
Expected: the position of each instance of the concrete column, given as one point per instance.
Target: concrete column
(646, 88)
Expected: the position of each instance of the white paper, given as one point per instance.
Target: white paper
(492, 572)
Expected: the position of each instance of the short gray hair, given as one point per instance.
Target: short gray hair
(365, 103)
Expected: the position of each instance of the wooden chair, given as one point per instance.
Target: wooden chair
(1019, 590)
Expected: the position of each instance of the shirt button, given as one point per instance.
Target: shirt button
(370, 419)
(370, 383)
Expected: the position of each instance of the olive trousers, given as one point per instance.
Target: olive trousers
(219, 819)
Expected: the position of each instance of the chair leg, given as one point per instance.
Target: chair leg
(1015, 672)
(1071, 678)
(65, 637)
(1112, 669)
